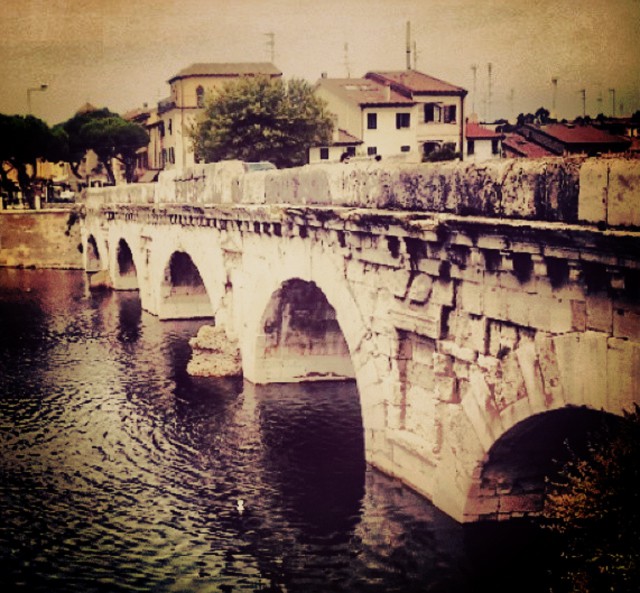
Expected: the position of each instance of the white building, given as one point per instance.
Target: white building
(189, 89)
(483, 144)
(396, 112)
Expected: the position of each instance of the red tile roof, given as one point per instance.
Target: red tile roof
(520, 146)
(227, 69)
(475, 131)
(345, 138)
(417, 83)
(570, 134)
(364, 91)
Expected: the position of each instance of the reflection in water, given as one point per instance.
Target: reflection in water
(119, 472)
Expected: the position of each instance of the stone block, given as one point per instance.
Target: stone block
(446, 389)
(624, 193)
(496, 302)
(420, 289)
(592, 199)
(530, 369)
(599, 311)
(626, 323)
(550, 373)
(470, 297)
(442, 364)
(623, 375)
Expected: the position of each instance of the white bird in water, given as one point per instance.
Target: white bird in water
(240, 506)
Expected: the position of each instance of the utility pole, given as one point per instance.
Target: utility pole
(474, 68)
(554, 96)
(271, 46)
(489, 70)
(613, 102)
(346, 60)
(408, 45)
(583, 92)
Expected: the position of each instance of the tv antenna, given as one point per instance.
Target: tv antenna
(271, 46)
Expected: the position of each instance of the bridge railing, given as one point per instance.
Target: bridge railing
(603, 191)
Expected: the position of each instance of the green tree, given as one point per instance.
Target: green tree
(262, 119)
(108, 135)
(24, 140)
(595, 504)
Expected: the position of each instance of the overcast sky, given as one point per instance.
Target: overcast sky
(120, 53)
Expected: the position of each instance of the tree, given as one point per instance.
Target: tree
(108, 135)
(262, 119)
(595, 504)
(24, 140)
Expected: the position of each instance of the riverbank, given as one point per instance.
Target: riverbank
(39, 239)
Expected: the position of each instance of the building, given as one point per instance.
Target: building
(483, 144)
(561, 139)
(398, 112)
(178, 113)
(149, 159)
(342, 145)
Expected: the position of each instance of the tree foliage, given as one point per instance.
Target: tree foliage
(540, 117)
(595, 504)
(262, 119)
(24, 140)
(108, 135)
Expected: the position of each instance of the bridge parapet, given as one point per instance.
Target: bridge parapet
(604, 191)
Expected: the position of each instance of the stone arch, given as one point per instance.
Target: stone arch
(300, 337)
(183, 294)
(126, 276)
(93, 260)
(511, 481)
(543, 376)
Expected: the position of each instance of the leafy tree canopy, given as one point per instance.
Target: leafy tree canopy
(262, 119)
(108, 135)
(595, 503)
(24, 140)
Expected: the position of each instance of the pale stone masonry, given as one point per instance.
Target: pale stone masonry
(469, 303)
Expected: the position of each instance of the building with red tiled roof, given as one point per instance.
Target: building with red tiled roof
(560, 139)
(397, 112)
(517, 146)
(482, 143)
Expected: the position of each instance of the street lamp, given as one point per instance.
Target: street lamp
(43, 87)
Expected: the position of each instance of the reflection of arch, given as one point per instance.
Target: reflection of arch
(301, 339)
(183, 294)
(200, 96)
(126, 278)
(93, 255)
(512, 479)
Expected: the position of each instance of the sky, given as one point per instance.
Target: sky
(120, 53)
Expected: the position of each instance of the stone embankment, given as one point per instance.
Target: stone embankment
(39, 239)
(597, 191)
(214, 354)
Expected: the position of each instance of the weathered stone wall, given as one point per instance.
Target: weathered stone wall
(459, 328)
(38, 239)
(601, 191)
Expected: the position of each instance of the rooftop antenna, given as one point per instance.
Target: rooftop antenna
(554, 96)
(271, 46)
(583, 92)
(474, 68)
(511, 96)
(489, 70)
(408, 45)
(613, 102)
(346, 60)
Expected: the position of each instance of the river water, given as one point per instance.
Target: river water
(119, 472)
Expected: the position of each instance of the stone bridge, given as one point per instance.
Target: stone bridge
(486, 312)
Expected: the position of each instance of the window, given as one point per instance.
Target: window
(351, 150)
(372, 150)
(471, 146)
(324, 153)
(432, 113)
(449, 114)
(172, 156)
(200, 96)
(495, 146)
(405, 148)
(170, 127)
(403, 120)
(372, 121)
